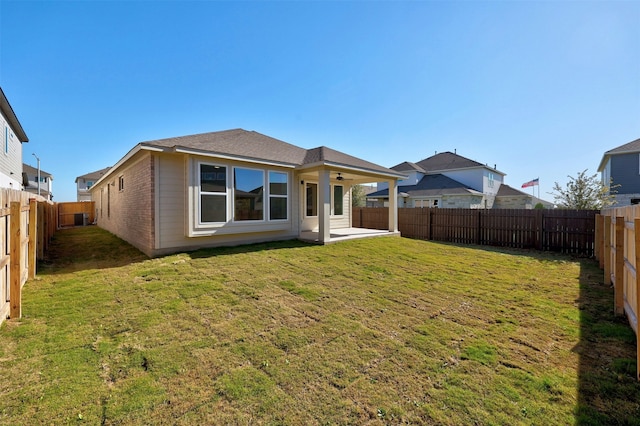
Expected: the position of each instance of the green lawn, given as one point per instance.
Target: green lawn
(375, 331)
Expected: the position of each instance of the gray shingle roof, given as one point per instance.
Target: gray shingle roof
(447, 161)
(94, 175)
(508, 191)
(11, 117)
(431, 186)
(258, 147)
(408, 166)
(627, 148)
(33, 171)
(633, 146)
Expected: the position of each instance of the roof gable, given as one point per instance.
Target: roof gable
(251, 145)
(432, 185)
(633, 146)
(408, 166)
(447, 161)
(628, 148)
(94, 175)
(34, 171)
(11, 117)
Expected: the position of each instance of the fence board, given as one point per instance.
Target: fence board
(566, 231)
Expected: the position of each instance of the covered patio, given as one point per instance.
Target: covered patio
(326, 215)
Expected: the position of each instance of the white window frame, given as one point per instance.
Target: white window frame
(269, 196)
(226, 194)
(264, 195)
(333, 201)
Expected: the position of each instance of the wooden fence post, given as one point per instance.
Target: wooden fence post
(619, 267)
(33, 236)
(540, 226)
(599, 240)
(607, 250)
(637, 284)
(15, 295)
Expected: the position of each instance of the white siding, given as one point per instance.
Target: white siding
(10, 157)
(176, 202)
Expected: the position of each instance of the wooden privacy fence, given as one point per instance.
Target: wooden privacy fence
(565, 231)
(617, 239)
(26, 227)
(79, 213)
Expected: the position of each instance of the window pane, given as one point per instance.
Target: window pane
(249, 194)
(277, 183)
(312, 199)
(213, 208)
(278, 208)
(337, 200)
(213, 178)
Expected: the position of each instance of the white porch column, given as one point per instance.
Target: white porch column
(324, 213)
(393, 206)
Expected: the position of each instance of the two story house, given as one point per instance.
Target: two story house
(12, 136)
(85, 182)
(449, 180)
(30, 181)
(621, 166)
(445, 180)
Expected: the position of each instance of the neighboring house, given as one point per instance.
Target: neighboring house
(511, 198)
(30, 181)
(12, 136)
(85, 182)
(228, 188)
(621, 166)
(445, 180)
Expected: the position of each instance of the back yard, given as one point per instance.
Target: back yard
(379, 331)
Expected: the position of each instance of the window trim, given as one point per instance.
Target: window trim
(233, 190)
(121, 183)
(333, 201)
(231, 226)
(269, 195)
(199, 194)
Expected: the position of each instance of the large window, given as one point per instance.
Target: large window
(278, 196)
(248, 191)
(213, 193)
(338, 200)
(238, 194)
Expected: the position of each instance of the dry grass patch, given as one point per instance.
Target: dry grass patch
(380, 331)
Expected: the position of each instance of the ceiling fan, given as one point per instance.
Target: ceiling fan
(340, 178)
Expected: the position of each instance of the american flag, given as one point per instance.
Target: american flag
(534, 182)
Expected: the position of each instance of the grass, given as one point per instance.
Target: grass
(376, 331)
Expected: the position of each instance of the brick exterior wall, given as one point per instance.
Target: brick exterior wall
(128, 212)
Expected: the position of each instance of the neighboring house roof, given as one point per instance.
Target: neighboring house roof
(450, 161)
(508, 191)
(94, 175)
(432, 186)
(32, 171)
(243, 145)
(7, 111)
(628, 148)
(408, 166)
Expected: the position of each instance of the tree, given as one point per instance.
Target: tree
(358, 196)
(584, 193)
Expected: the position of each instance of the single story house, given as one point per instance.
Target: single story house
(231, 187)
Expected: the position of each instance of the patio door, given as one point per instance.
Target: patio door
(309, 207)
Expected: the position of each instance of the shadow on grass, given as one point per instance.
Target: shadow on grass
(85, 248)
(90, 247)
(608, 390)
(248, 248)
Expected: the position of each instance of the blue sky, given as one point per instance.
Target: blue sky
(541, 89)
